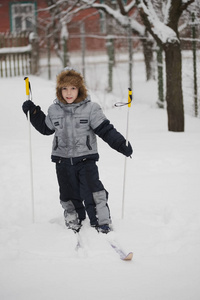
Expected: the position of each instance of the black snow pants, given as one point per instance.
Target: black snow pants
(80, 185)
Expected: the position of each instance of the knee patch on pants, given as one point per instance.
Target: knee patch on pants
(100, 199)
(70, 212)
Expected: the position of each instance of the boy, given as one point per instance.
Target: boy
(75, 122)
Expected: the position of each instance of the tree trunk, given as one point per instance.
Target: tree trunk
(148, 58)
(160, 101)
(174, 94)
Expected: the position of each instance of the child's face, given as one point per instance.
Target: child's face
(69, 93)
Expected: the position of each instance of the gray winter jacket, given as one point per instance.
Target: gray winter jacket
(74, 126)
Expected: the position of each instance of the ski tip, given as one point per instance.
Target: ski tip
(128, 257)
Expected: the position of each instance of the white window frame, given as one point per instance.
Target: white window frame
(26, 12)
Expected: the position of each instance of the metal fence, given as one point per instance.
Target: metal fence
(19, 56)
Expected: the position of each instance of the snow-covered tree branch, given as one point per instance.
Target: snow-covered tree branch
(124, 15)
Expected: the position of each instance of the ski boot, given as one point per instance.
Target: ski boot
(103, 228)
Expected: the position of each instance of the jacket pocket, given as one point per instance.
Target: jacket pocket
(58, 122)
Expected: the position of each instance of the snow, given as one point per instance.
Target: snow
(166, 10)
(164, 32)
(121, 18)
(64, 32)
(161, 220)
(16, 49)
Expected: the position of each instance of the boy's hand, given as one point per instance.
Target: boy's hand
(126, 150)
(29, 106)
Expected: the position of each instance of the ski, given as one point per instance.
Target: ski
(79, 243)
(78, 246)
(125, 256)
(111, 240)
(122, 254)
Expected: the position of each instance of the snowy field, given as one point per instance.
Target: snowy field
(161, 223)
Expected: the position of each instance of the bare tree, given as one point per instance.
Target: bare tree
(125, 16)
(163, 26)
(62, 11)
(59, 15)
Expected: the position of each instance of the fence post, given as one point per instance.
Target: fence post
(33, 39)
(194, 64)
(64, 44)
(130, 49)
(65, 51)
(110, 51)
(49, 54)
(83, 48)
(1, 66)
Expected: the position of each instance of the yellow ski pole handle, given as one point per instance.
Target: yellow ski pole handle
(129, 97)
(27, 87)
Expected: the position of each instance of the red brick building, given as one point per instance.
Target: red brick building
(18, 16)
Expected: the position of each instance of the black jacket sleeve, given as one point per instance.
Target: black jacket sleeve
(38, 121)
(113, 138)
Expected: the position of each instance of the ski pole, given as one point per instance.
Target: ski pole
(125, 162)
(27, 83)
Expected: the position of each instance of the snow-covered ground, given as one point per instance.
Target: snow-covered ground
(161, 223)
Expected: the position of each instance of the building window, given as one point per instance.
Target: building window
(22, 16)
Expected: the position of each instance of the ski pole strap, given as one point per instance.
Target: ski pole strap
(119, 104)
(28, 88)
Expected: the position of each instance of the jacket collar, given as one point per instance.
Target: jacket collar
(73, 105)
